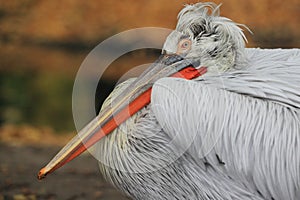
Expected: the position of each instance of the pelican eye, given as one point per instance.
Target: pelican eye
(184, 45)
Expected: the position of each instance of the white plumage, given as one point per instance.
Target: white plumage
(231, 134)
(249, 118)
(240, 129)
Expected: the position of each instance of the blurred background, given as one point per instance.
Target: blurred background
(42, 45)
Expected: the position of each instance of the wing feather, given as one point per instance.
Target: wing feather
(247, 119)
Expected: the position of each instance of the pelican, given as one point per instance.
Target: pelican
(232, 132)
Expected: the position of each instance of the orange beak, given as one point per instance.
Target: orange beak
(130, 101)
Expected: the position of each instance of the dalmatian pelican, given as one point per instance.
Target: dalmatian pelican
(231, 132)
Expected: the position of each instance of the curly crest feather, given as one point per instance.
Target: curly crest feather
(214, 35)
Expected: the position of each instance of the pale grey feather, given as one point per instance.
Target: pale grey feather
(249, 118)
(139, 159)
(231, 134)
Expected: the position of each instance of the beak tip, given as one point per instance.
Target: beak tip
(42, 173)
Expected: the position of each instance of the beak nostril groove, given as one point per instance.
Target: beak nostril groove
(170, 59)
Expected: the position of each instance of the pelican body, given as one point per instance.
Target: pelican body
(231, 133)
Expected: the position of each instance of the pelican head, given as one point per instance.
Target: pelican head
(201, 34)
(201, 38)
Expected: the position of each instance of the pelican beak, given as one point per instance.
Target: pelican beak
(132, 99)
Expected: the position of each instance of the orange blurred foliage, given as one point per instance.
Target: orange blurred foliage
(90, 21)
